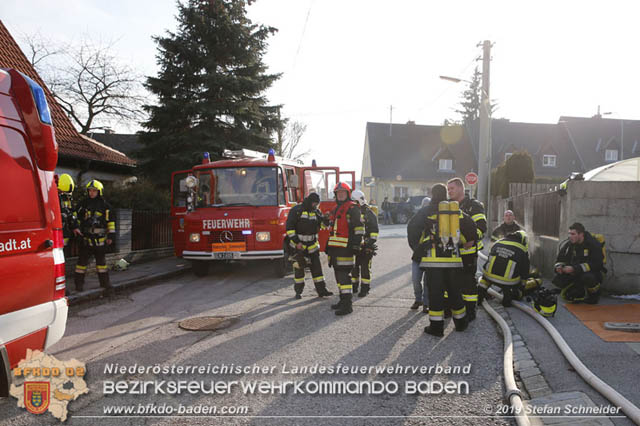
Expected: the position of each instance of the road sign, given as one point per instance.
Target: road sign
(471, 178)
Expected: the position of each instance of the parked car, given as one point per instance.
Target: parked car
(33, 306)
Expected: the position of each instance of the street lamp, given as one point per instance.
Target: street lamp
(621, 133)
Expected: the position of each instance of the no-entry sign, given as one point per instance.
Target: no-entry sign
(471, 178)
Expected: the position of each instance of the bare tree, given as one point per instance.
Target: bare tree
(95, 89)
(288, 144)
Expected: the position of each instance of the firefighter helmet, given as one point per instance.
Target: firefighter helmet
(522, 238)
(545, 302)
(358, 197)
(95, 184)
(65, 183)
(342, 186)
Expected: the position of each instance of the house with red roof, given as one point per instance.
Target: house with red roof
(82, 157)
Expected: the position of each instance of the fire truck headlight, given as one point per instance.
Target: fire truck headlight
(194, 238)
(263, 236)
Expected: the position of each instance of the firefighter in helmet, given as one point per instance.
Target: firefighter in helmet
(97, 228)
(345, 238)
(303, 223)
(65, 192)
(362, 268)
(507, 267)
(446, 231)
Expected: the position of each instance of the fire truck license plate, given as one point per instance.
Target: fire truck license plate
(223, 256)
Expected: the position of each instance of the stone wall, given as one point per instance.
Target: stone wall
(611, 209)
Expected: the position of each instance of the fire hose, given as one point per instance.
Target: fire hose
(594, 381)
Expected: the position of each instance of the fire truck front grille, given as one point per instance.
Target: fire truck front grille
(227, 237)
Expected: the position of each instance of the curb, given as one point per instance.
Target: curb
(96, 293)
(524, 365)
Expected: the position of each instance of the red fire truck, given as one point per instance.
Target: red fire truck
(33, 308)
(236, 208)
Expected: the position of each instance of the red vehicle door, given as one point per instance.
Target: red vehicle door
(178, 209)
(321, 180)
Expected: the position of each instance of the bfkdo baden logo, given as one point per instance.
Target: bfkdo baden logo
(36, 396)
(42, 383)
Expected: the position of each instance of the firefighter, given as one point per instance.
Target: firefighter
(469, 252)
(362, 267)
(97, 227)
(65, 193)
(446, 229)
(303, 224)
(345, 238)
(507, 227)
(579, 266)
(507, 267)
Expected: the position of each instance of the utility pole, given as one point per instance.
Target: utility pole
(484, 149)
(390, 119)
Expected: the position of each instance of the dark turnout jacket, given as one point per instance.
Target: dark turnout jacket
(584, 257)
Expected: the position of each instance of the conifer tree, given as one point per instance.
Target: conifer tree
(210, 88)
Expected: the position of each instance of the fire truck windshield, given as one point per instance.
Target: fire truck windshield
(238, 186)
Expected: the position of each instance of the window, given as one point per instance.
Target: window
(611, 155)
(507, 155)
(400, 193)
(253, 186)
(445, 164)
(21, 208)
(548, 160)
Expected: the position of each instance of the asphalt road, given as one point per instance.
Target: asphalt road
(273, 330)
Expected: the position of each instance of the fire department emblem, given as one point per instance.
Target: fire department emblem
(36, 396)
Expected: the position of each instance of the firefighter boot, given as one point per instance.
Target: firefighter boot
(337, 305)
(462, 323)
(471, 311)
(79, 281)
(435, 328)
(298, 287)
(346, 305)
(364, 290)
(321, 288)
(105, 283)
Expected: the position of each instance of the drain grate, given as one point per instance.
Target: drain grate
(207, 323)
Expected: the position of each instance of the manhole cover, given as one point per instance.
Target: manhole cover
(206, 323)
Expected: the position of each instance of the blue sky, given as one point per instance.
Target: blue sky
(353, 59)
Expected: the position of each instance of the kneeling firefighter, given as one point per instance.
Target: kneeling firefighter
(362, 267)
(97, 227)
(303, 224)
(507, 267)
(345, 238)
(446, 230)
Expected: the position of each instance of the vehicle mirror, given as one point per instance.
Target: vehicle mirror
(293, 181)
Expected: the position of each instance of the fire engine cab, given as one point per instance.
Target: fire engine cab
(33, 307)
(237, 208)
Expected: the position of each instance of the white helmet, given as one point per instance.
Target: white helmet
(358, 197)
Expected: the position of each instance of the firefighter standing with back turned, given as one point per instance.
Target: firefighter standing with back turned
(97, 227)
(345, 238)
(303, 223)
(446, 229)
(469, 252)
(362, 267)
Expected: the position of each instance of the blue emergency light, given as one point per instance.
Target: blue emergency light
(206, 155)
(40, 100)
(246, 232)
